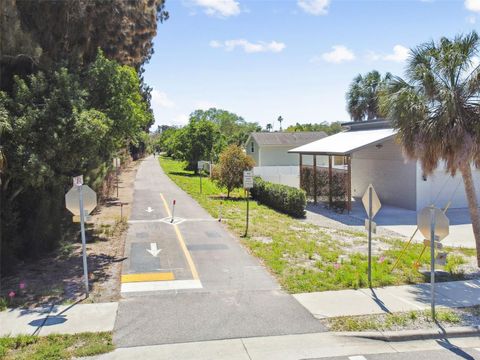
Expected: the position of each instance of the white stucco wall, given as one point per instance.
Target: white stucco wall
(286, 175)
(393, 179)
(277, 156)
(440, 187)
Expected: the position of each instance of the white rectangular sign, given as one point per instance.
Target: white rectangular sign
(116, 162)
(248, 179)
(201, 164)
(78, 180)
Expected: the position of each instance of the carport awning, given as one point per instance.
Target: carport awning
(345, 143)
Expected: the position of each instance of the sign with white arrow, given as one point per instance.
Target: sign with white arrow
(154, 251)
(149, 209)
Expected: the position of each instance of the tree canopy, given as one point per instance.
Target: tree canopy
(205, 136)
(436, 110)
(362, 96)
(328, 128)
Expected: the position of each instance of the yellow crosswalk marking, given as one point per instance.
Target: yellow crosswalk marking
(160, 276)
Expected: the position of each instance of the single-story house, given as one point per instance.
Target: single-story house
(273, 162)
(372, 154)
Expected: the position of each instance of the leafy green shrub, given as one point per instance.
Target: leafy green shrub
(283, 198)
(228, 172)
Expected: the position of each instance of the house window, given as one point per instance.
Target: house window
(252, 148)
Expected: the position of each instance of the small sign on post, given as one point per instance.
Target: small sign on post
(372, 205)
(247, 185)
(434, 225)
(78, 180)
(80, 200)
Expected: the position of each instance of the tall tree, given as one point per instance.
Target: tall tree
(269, 127)
(280, 119)
(229, 171)
(362, 96)
(436, 110)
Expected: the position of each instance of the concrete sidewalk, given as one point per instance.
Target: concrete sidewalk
(286, 347)
(328, 304)
(62, 319)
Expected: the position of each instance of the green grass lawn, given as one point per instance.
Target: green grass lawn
(302, 256)
(55, 347)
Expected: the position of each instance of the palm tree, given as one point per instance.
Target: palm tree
(362, 96)
(437, 111)
(269, 127)
(280, 119)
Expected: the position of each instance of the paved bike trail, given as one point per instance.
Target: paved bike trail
(202, 284)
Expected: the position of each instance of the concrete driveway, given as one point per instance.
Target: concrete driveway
(404, 222)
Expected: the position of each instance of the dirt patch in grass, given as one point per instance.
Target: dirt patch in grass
(468, 316)
(25, 347)
(58, 277)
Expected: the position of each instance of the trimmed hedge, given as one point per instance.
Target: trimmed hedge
(287, 199)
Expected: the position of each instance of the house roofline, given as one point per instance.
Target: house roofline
(367, 125)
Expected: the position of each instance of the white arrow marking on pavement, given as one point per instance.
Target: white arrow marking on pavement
(153, 249)
(149, 209)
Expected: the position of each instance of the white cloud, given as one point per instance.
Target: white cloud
(314, 7)
(215, 44)
(161, 100)
(472, 5)
(223, 8)
(400, 53)
(475, 62)
(338, 55)
(204, 105)
(180, 119)
(249, 47)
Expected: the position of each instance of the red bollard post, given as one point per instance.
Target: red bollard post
(173, 210)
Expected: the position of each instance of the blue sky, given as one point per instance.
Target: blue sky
(294, 58)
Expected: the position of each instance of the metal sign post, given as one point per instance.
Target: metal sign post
(434, 225)
(248, 212)
(432, 260)
(247, 185)
(220, 212)
(84, 242)
(80, 200)
(372, 205)
(370, 236)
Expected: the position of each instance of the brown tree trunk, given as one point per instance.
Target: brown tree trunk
(472, 205)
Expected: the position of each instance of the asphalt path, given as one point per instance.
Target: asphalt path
(205, 285)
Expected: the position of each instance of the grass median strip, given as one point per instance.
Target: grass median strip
(55, 346)
(304, 257)
(411, 320)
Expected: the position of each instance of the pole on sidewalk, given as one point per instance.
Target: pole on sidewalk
(200, 173)
(432, 260)
(82, 230)
(370, 236)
